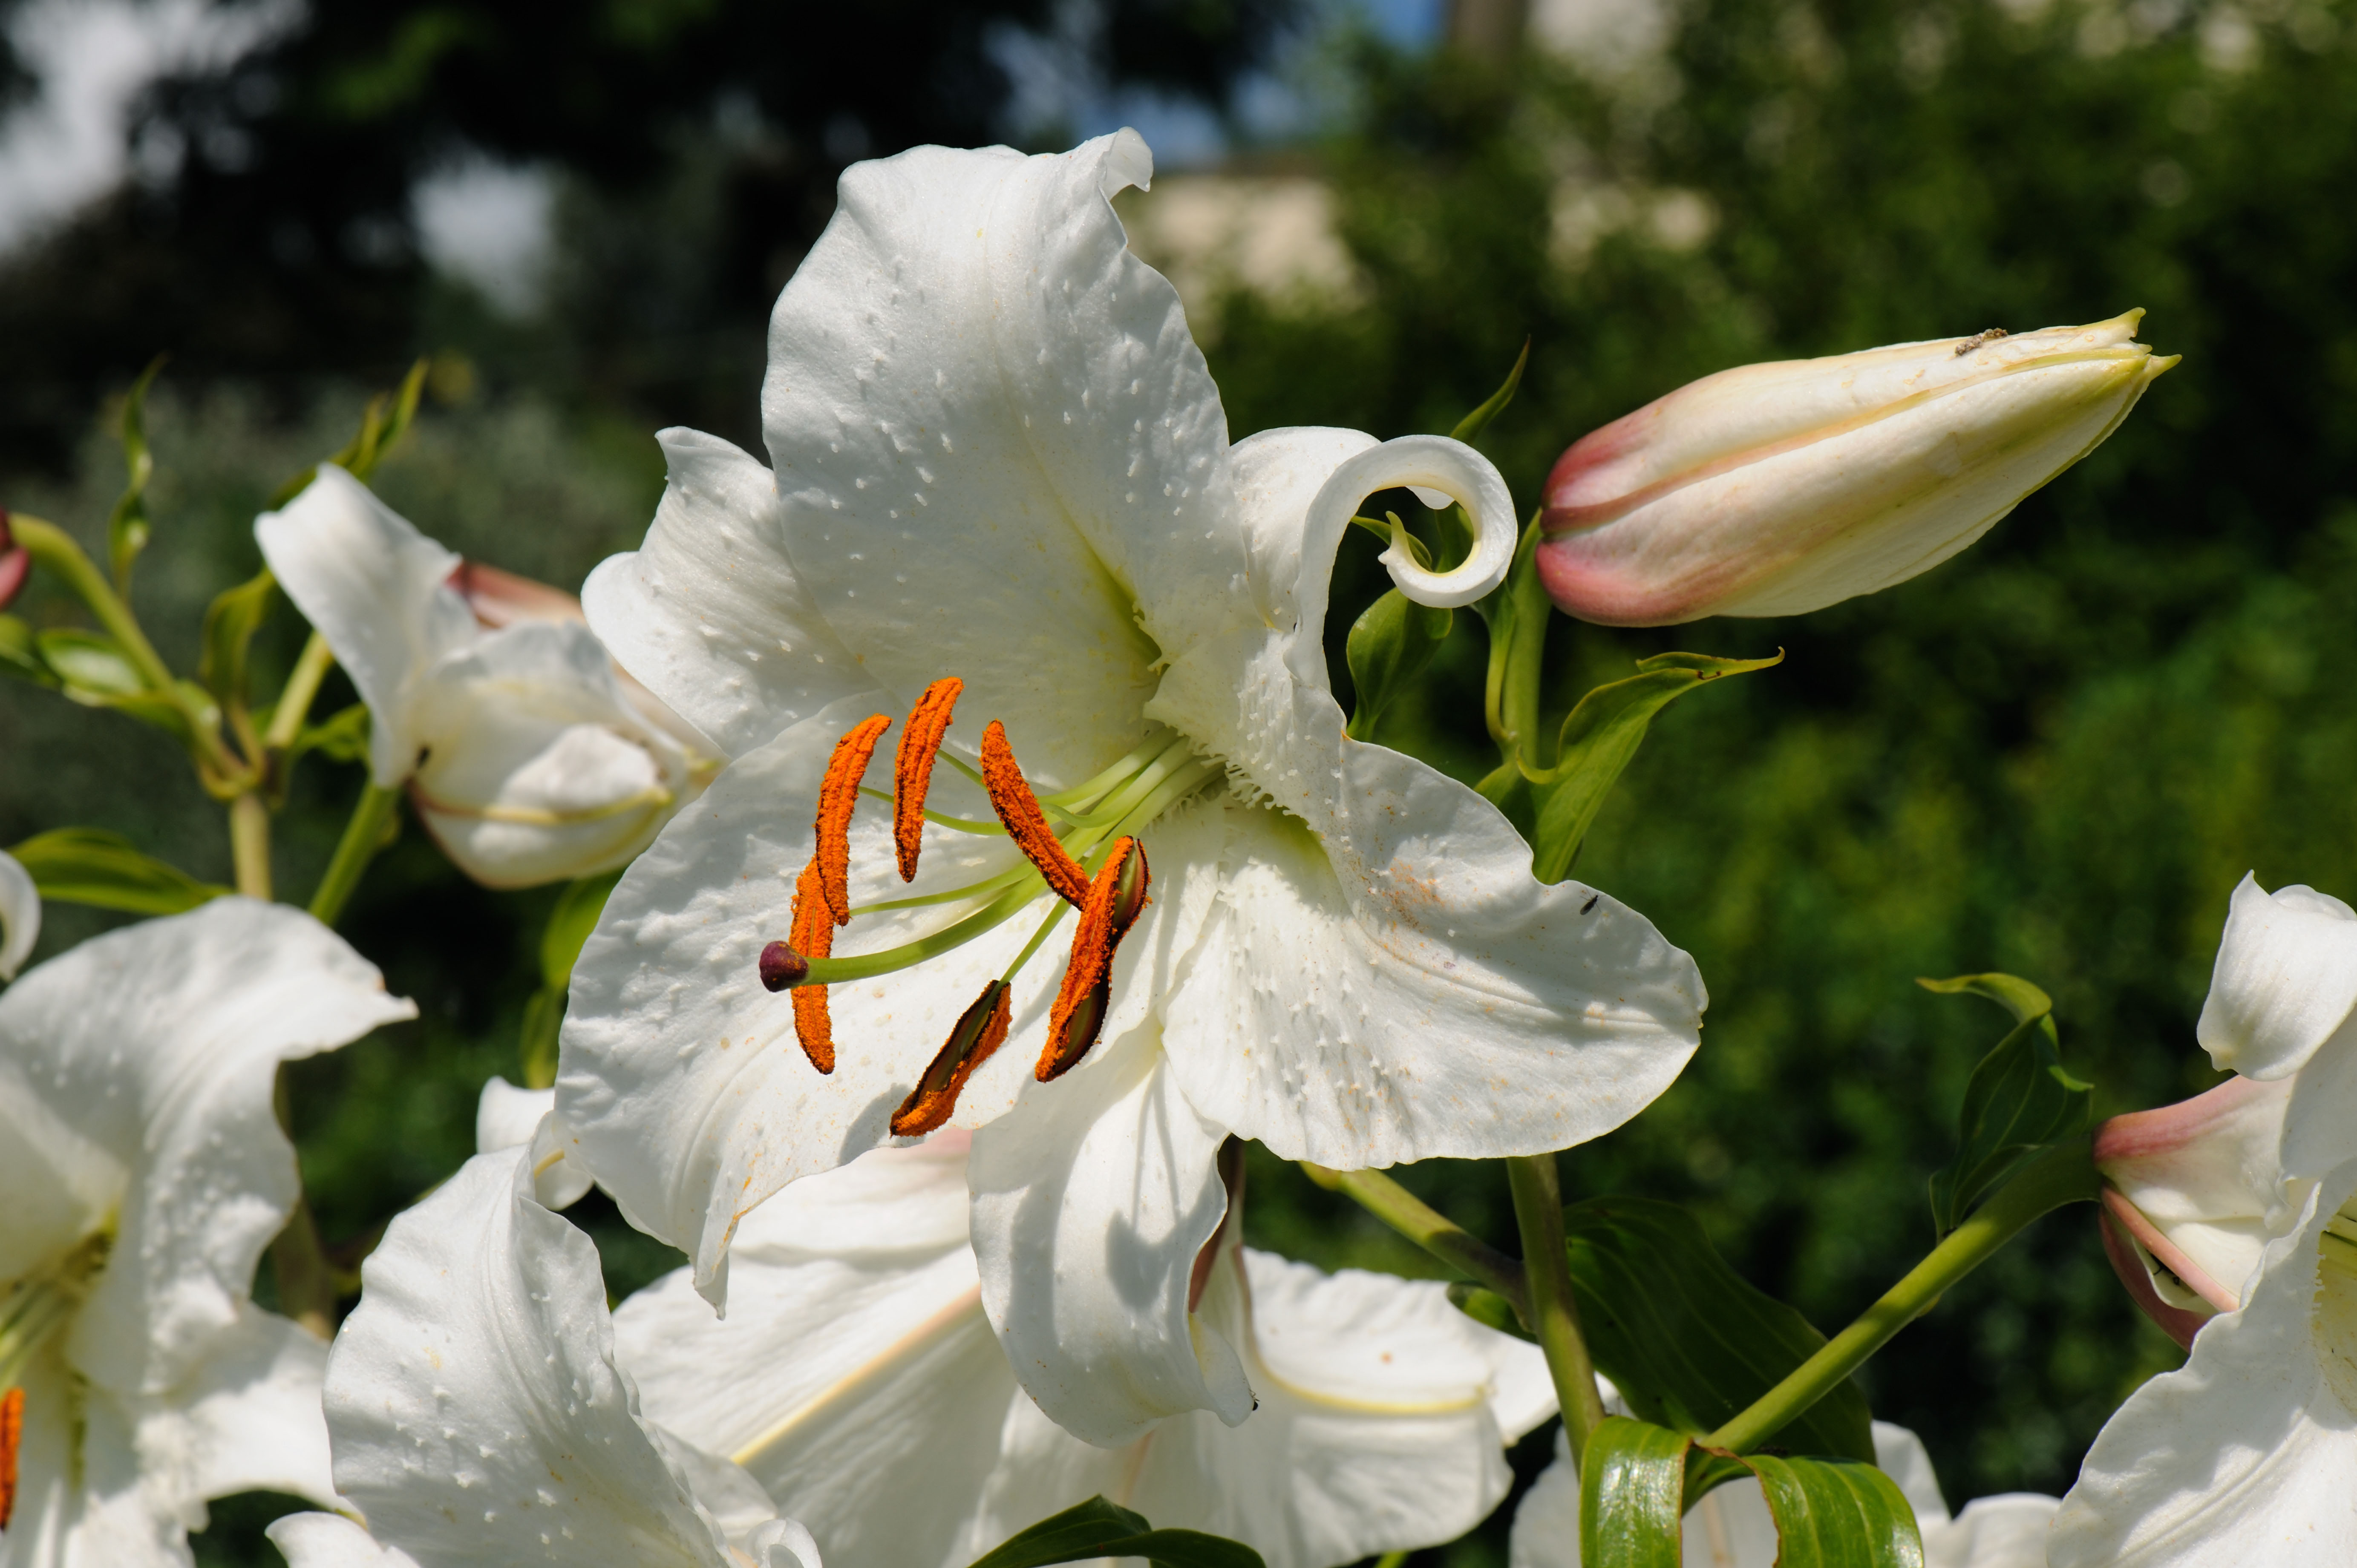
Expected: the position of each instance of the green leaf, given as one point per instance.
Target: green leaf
(1600, 737)
(20, 655)
(90, 865)
(93, 665)
(1837, 1513)
(2019, 1098)
(1100, 1529)
(127, 526)
(1688, 1341)
(383, 425)
(569, 925)
(231, 622)
(1632, 1496)
(1473, 423)
(1390, 644)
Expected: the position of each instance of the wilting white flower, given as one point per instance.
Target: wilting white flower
(2248, 1453)
(1000, 461)
(521, 750)
(855, 1354)
(1779, 488)
(1731, 1527)
(479, 1418)
(20, 916)
(145, 1172)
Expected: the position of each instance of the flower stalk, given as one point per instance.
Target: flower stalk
(1552, 1315)
(364, 835)
(2064, 1173)
(1429, 1229)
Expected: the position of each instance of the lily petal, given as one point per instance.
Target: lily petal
(375, 588)
(477, 1414)
(331, 1540)
(20, 916)
(2248, 1452)
(2285, 980)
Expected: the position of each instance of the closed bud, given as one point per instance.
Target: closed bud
(1779, 488)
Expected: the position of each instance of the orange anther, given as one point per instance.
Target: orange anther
(813, 937)
(981, 1029)
(1112, 907)
(912, 767)
(12, 1434)
(838, 793)
(1019, 808)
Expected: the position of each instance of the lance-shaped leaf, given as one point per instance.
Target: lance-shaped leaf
(383, 425)
(2019, 1100)
(94, 669)
(1688, 1341)
(127, 527)
(1632, 1495)
(1597, 740)
(1837, 1513)
(90, 865)
(1391, 643)
(231, 622)
(1100, 1529)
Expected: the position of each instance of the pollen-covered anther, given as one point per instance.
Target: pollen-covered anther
(1115, 900)
(12, 1435)
(812, 938)
(981, 1030)
(838, 794)
(912, 768)
(1018, 811)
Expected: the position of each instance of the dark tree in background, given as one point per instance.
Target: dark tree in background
(697, 141)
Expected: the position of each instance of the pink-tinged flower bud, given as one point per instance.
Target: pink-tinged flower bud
(1780, 488)
(15, 563)
(2192, 1194)
(503, 598)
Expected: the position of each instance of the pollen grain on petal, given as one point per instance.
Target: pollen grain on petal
(981, 1030)
(1115, 900)
(1018, 810)
(12, 1434)
(813, 937)
(836, 795)
(912, 767)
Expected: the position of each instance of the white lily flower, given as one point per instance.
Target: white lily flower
(1003, 480)
(479, 1417)
(2248, 1452)
(145, 1173)
(20, 916)
(524, 755)
(856, 1354)
(1731, 1527)
(2280, 1006)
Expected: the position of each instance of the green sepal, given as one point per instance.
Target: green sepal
(569, 925)
(1391, 644)
(91, 866)
(20, 654)
(1101, 1529)
(1631, 1495)
(1489, 1309)
(383, 425)
(2019, 1098)
(127, 526)
(231, 622)
(1637, 1480)
(1689, 1342)
(1600, 737)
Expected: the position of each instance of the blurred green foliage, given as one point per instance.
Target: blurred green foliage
(2054, 757)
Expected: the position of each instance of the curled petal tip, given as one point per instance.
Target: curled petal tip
(782, 968)
(1457, 473)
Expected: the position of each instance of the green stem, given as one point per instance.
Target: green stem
(302, 686)
(1554, 1316)
(307, 1287)
(249, 845)
(53, 548)
(2063, 1173)
(1429, 1228)
(363, 836)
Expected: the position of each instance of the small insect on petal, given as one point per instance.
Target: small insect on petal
(981, 1029)
(1115, 900)
(12, 1434)
(1020, 811)
(912, 768)
(838, 793)
(813, 937)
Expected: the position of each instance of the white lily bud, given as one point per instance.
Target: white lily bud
(526, 756)
(1779, 488)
